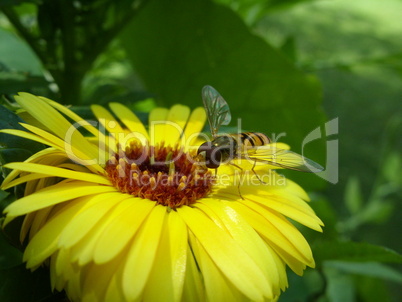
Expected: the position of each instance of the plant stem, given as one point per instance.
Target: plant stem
(63, 54)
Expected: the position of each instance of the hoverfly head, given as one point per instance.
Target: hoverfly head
(211, 155)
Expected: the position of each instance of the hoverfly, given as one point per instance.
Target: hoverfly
(248, 145)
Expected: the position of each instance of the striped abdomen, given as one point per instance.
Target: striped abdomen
(252, 139)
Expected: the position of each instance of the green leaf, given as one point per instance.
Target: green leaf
(392, 168)
(372, 289)
(177, 53)
(14, 148)
(353, 195)
(378, 211)
(392, 61)
(353, 251)
(340, 287)
(288, 48)
(253, 10)
(372, 269)
(16, 54)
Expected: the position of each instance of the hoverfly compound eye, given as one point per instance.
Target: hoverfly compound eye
(204, 147)
(213, 158)
(212, 155)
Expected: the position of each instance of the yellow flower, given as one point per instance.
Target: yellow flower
(126, 214)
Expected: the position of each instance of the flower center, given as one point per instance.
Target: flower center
(164, 174)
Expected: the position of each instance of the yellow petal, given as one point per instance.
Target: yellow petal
(283, 278)
(193, 288)
(22, 179)
(141, 257)
(294, 264)
(39, 220)
(161, 273)
(292, 207)
(218, 288)
(194, 126)
(38, 184)
(44, 134)
(288, 231)
(97, 279)
(67, 276)
(275, 231)
(55, 281)
(297, 190)
(73, 288)
(131, 121)
(231, 259)
(97, 206)
(176, 120)
(122, 229)
(245, 236)
(73, 167)
(170, 262)
(178, 250)
(58, 172)
(107, 120)
(46, 153)
(44, 243)
(280, 200)
(29, 136)
(83, 251)
(26, 225)
(53, 195)
(62, 261)
(75, 117)
(114, 292)
(85, 154)
(53, 120)
(157, 121)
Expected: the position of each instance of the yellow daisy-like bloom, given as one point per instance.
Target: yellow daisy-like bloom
(127, 215)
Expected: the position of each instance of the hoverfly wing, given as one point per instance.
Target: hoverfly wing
(217, 109)
(284, 159)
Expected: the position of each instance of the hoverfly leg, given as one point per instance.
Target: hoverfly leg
(238, 186)
(255, 173)
(238, 189)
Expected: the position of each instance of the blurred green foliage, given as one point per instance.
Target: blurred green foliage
(283, 66)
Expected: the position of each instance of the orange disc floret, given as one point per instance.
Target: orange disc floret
(164, 174)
